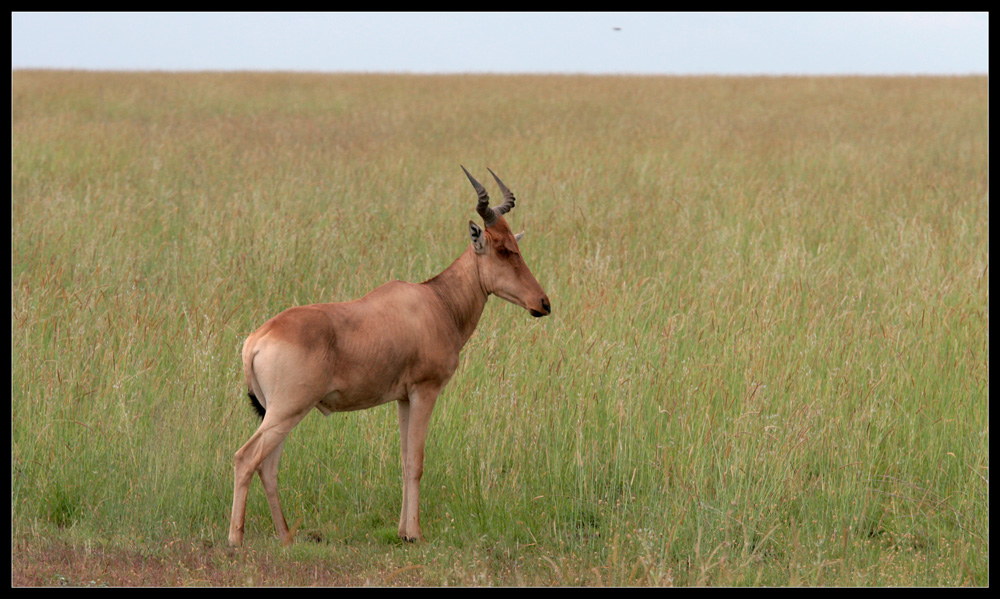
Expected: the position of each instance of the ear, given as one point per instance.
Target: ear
(518, 237)
(478, 239)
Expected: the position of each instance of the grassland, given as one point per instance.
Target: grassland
(767, 363)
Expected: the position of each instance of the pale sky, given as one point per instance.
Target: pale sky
(481, 42)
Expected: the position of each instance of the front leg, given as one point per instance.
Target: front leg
(403, 410)
(414, 418)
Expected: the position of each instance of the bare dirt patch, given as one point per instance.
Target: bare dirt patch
(53, 563)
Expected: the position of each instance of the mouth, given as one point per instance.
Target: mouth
(546, 309)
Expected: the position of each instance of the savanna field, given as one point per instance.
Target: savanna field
(767, 362)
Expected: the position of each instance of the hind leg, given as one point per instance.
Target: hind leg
(268, 471)
(267, 440)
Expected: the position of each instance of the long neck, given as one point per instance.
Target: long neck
(461, 293)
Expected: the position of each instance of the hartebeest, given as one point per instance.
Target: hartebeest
(399, 343)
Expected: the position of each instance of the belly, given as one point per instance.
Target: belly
(339, 401)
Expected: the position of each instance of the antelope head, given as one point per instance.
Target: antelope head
(502, 270)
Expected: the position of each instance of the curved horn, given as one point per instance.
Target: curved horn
(483, 206)
(508, 196)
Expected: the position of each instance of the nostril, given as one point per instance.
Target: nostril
(546, 306)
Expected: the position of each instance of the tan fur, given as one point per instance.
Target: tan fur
(401, 343)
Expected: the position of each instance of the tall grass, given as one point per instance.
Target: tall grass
(768, 361)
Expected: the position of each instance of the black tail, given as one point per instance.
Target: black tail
(256, 405)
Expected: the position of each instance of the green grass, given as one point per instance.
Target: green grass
(767, 363)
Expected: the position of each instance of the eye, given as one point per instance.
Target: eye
(505, 252)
